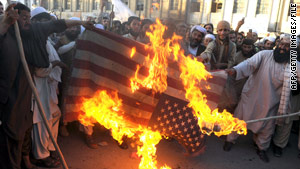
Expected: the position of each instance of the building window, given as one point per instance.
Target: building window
(67, 4)
(174, 4)
(298, 7)
(95, 4)
(195, 6)
(55, 4)
(216, 6)
(140, 5)
(239, 6)
(78, 4)
(263, 6)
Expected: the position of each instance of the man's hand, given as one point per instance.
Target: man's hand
(10, 15)
(231, 72)
(249, 35)
(199, 59)
(59, 63)
(88, 24)
(112, 15)
(241, 22)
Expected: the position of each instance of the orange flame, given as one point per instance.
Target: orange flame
(192, 73)
(107, 110)
(157, 78)
(133, 51)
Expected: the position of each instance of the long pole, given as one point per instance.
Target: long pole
(36, 95)
(273, 117)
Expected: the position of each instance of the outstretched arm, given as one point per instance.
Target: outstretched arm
(247, 67)
(240, 23)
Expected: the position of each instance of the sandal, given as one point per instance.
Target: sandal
(54, 155)
(48, 163)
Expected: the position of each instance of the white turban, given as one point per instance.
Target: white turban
(53, 16)
(199, 28)
(211, 36)
(99, 26)
(78, 19)
(284, 35)
(272, 39)
(38, 10)
(254, 31)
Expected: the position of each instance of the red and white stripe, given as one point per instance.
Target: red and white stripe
(102, 61)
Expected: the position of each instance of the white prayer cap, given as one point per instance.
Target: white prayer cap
(37, 11)
(78, 19)
(199, 28)
(211, 36)
(269, 38)
(53, 16)
(75, 18)
(99, 26)
(285, 35)
(254, 31)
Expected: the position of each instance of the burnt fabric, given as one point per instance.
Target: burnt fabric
(173, 118)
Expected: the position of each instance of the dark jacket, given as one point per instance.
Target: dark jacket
(15, 92)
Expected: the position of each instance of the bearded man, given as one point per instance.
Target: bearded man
(195, 45)
(268, 72)
(15, 92)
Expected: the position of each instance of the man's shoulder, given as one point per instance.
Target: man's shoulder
(265, 52)
(238, 54)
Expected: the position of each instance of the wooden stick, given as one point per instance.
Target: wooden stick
(110, 18)
(35, 92)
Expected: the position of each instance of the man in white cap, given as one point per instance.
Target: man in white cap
(264, 94)
(220, 51)
(208, 38)
(195, 45)
(269, 43)
(46, 81)
(283, 130)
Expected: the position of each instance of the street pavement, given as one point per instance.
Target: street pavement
(110, 156)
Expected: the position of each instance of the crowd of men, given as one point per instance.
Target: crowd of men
(257, 85)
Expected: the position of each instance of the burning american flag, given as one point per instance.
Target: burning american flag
(159, 91)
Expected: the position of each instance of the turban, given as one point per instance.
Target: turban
(199, 28)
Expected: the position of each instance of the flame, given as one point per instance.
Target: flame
(192, 73)
(133, 51)
(107, 110)
(162, 49)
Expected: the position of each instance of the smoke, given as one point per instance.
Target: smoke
(122, 12)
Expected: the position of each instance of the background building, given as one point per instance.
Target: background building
(262, 15)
